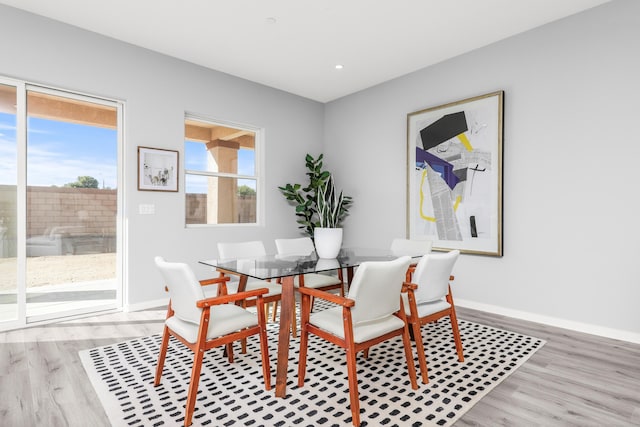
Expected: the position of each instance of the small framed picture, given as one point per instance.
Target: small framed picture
(157, 169)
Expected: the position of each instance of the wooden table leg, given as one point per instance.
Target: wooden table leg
(242, 284)
(287, 311)
(349, 276)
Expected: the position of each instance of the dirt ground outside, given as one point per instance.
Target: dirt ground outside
(55, 270)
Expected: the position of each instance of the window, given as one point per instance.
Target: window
(221, 174)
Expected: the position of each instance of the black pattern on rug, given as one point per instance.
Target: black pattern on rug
(234, 394)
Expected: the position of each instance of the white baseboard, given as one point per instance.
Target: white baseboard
(146, 305)
(553, 321)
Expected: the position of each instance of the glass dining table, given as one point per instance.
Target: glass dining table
(285, 268)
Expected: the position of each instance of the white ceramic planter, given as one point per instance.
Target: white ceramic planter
(328, 241)
(325, 264)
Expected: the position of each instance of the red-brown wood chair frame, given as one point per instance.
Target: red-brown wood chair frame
(347, 343)
(326, 288)
(202, 344)
(222, 290)
(417, 322)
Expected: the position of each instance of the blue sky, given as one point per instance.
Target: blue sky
(59, 152)
(7, 149)
(195, 158)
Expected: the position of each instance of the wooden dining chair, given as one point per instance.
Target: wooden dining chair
(248, 250)
(430, 299)
(411, 247)
(203, 323)
(371, 313)
(303, 246)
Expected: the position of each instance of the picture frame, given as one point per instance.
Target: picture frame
(454, 175)
(157, 169)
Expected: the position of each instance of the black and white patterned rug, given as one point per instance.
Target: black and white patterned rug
(234, 395)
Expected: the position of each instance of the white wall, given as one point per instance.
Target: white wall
(571, 148)
(157, 91)
(571, 103)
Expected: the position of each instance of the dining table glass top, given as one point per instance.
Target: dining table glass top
(276, 266)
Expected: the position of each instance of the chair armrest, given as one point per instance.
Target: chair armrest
(222, 279)
(206, 282)
(406, 287)
(336, 299)
(225, 299)
(410, 271)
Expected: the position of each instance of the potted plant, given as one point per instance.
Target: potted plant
(332, 208)
(305, 198)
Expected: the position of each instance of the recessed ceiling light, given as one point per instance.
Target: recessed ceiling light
(271, 20)
(339, 66)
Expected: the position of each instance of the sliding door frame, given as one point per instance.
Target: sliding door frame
(22, 320)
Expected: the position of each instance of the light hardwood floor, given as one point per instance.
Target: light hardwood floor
(574, 380)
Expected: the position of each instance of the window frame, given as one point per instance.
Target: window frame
(258, 169)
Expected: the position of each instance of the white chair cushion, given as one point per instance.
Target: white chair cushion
(302, 246)
(426, 308)
(314, 280)
(432, 276)
(376, 287)
(184, 289)
(331, 321)
(224, 319)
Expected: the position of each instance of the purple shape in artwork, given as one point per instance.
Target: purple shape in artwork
(442, 167)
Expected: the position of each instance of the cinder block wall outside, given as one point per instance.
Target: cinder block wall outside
(92, 210)
(197, 209)
(85, 211)
(77, 211)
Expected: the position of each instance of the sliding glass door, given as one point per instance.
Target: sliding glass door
(62, 234)
(8, 205)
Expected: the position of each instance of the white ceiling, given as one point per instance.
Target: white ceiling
(294, 45)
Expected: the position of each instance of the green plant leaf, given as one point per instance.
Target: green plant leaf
(317, 203)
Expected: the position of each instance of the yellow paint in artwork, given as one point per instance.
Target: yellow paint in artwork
(455, 205)
(465, 141)
(422, 215)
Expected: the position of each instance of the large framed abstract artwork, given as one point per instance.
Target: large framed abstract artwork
(454, 175)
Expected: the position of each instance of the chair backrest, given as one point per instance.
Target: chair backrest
(376, 288)
(184, 289)
(300, 246)
(401, 247)
(252, 249)
(432, 275)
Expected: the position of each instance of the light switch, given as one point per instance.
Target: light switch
(144, 209)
